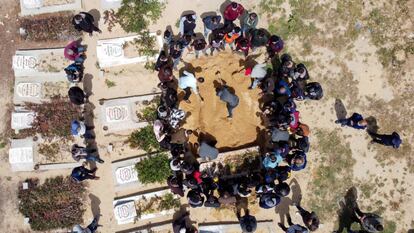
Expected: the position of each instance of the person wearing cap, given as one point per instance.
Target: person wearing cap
(176, 185)
(393, 139)
(248, 223)
(188, 83)
(198, 45)
(258, 73)
(78, 128)
(187, 24)
(271, 160)
(74, 51)
(356, 121)
(297, 160)
(211, 23)
(274, 45)
(231, 37)
(269, 200)
(249, 23)
(233, 11)
(85, 22)
(310, 219)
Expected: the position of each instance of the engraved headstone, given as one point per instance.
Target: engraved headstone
(24, 62)
(31, 4)
(117, 113)
(28, 89)
(22, 120)
(125, 212)
(126, 174)
(114, 50)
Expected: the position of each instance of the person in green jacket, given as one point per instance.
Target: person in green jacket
(249, 23)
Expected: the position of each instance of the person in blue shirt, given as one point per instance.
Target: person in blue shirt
(393, 140)
(81, 173)
(282, 88)
(356, 121)
(211, 23)
(269, 200)
(297, 160)
(271, 160)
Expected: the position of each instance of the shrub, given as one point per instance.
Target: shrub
(49, 150)
(136, 15)
(145, 44)
(56, 26)
(56, 204)
(149, 113)
(53, 118)
(109, 83)
(144, 138)
(154, 169)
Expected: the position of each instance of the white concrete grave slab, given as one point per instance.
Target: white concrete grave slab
(234, 227)
(110, 4)
(22, 120)
(34, 7)
(120, 114)
(21, 154)
(28, 62)
(110, 52)
(124, 213)
(124, 173)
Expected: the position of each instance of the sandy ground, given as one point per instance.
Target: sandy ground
(368, 74)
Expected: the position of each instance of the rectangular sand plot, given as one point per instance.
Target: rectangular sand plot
(121, 114)
(119, 51)
(142, 206)
(33, 7)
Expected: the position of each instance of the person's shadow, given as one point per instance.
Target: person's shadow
(296, 191)
(340, 109)
(346, 214)
(96, 16)
(95, 202)
(283, 208)
(372, 124)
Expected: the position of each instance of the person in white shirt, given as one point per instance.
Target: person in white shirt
(188, 82)
(259, 72)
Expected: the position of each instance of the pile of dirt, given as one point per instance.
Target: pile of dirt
(210, 116)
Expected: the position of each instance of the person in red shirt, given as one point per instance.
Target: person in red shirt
(232, 12)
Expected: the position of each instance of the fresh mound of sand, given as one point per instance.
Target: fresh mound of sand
(210, 117)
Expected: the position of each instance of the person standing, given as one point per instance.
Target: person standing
(80, 152)
(162, 60)
(258, 73)
(393, 140)
(249, 23)
(76, 95)
(248, 223)
(91, 228)
(183, 225)
(81, 173)
(187, 25)
(211, 23)
(233, 11)
(199, 45)
(216, 43)
(274, 45)
(310, 219)
(259, 37)
(231, 37)
(356, 121)
(74, 72)
(74, 51)
(188, 83)
(84, 22)
(176, 52)
(165, 74)
(243, 45)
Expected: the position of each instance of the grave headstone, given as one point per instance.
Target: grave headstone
(22, 120)
(24, 62)
(113, 50)
(29, 89)
(117, 113)
(32, 4)
(21, 155)
(125, 212)
(126, 174)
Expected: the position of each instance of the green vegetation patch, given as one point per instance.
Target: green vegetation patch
(56, 204)
(333, 176)
(154, 169)
(144, 139)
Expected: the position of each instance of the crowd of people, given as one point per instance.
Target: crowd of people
(282, 82)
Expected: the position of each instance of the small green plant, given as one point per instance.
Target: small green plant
(56, 204)
(136, 15)
(49, 150)
(154, 169)
(168, 202)
(145, 44)
(144, 139)
(149, 113)
(110, 83)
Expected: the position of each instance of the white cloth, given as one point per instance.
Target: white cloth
(259, 71)
(158, 128)
(188, 80)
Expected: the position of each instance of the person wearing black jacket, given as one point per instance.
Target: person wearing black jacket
(84, 22)
(310, 219)
(199, 45)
